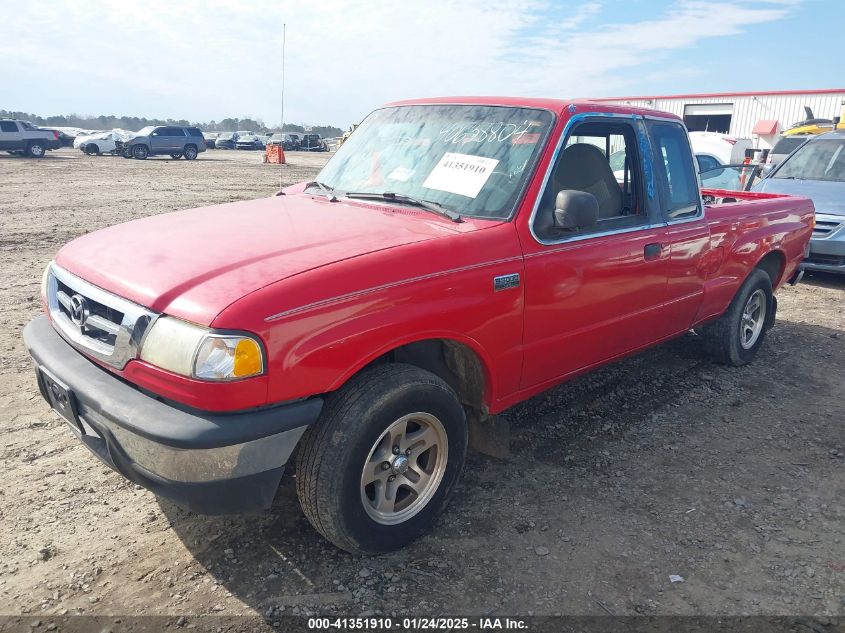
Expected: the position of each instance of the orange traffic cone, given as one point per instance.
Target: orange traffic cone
(274, 154)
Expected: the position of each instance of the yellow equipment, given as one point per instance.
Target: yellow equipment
(814, 126)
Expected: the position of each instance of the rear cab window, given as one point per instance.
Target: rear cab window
(8, 126)
(675, 171)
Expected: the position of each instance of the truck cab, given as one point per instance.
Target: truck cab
(453, 258)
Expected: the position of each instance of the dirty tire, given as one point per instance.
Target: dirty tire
(331, 457)
(92, 149)
(722, 338)
(35, 150)
(190, 152)
(140, 152)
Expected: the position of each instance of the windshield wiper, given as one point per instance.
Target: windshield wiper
(434, 207)
(328, 191)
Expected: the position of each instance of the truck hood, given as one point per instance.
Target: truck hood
(827, 196)
(193, 264)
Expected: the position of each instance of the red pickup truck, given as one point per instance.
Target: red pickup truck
(453, 258)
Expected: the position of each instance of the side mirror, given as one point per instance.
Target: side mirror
(575, 210)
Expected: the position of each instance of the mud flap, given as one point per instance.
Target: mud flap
(490, 435)
(770, 317)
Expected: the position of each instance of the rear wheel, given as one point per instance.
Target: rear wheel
(140, 152)
(92, 150)
(735, 338)
(379, 465)
(190, 152)
(35, 149)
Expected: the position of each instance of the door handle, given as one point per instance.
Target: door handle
(652, 251)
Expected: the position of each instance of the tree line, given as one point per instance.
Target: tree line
(134, 123)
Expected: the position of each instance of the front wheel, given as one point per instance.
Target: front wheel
(140, 152)
(736, 336)
(375, 470)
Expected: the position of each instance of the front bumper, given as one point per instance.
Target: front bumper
(208, 462)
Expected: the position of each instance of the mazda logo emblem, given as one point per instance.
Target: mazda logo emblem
(79, 311)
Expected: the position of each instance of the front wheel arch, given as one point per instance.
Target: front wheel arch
(462, 363)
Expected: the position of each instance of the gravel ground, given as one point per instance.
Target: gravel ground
(663, 464)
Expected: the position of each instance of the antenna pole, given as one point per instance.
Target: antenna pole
(284, 37)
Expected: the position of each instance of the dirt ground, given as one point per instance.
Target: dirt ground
(663, 464)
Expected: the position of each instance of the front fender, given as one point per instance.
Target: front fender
(351, 312)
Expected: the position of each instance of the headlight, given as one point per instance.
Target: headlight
(197, 352)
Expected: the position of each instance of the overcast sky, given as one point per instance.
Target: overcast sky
(203, 60)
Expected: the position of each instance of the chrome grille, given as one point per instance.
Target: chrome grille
(94, 321)
(827, 224)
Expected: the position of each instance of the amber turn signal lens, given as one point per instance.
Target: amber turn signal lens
(247, 358)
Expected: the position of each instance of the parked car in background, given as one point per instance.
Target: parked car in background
(102, 142)
(289, 142)
(69, 134)
(703, 162)
(738, 177)
(24, 138)
(783, 148)
(174, 141)
(248, 140)
(313, 143)
(226, 140)
(816, 170)
(275, 139)
(210, 139)
(713, 149)
(365, 327)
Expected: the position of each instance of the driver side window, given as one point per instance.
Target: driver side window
(597, 180)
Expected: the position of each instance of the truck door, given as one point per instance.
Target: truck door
(176, 139)
(159, 141)
(595, 292)
(10, 136)
(687, 231)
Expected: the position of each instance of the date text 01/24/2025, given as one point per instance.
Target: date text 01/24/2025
(417, 624)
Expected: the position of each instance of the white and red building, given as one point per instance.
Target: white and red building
(760, 116)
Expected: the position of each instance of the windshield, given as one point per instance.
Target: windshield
(470, 159)
(144, 131)
(821, 159)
